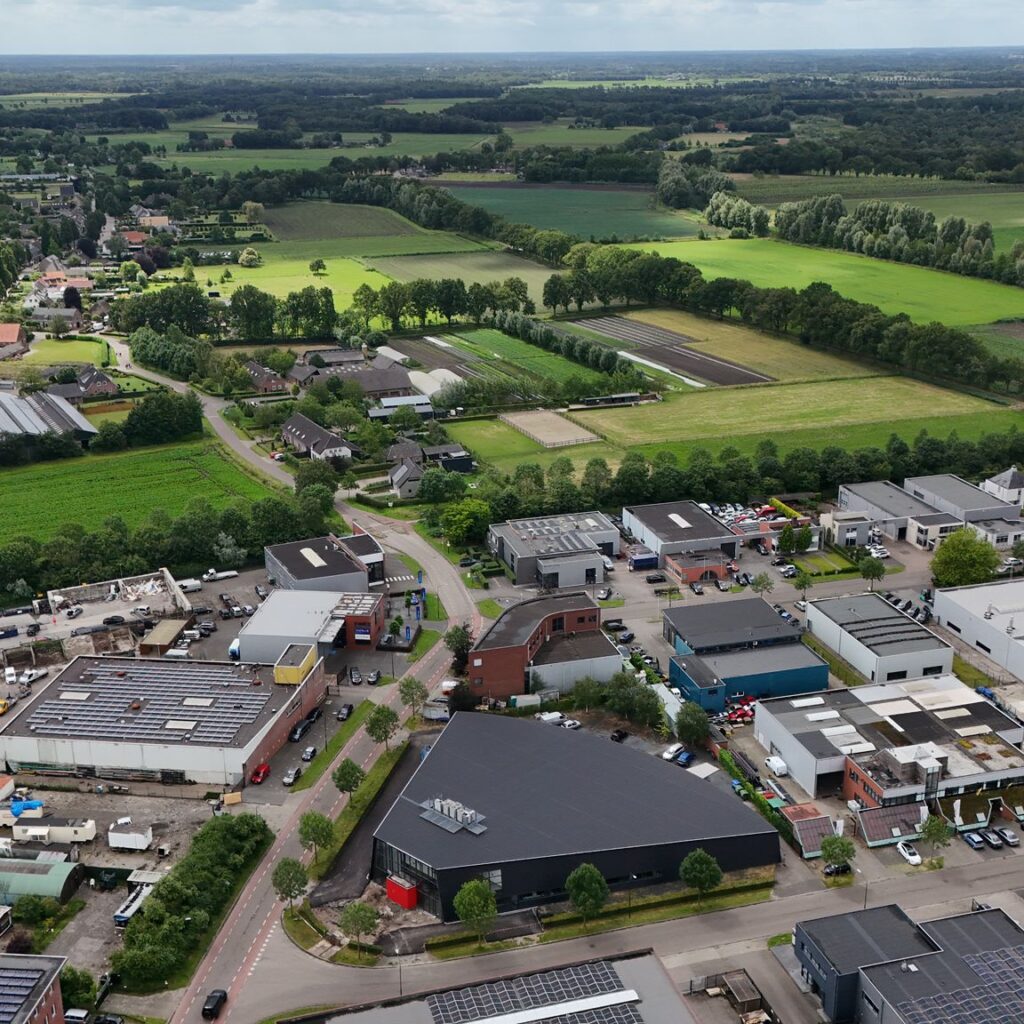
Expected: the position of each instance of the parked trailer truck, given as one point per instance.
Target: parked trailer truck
(190, 586)
(212, 574)
(131, 906)
(123, 835)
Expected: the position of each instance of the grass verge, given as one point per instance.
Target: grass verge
(355, 958)
(298, 929)
(48, 930)
(359, 803)
(842, 670)
(452, 951)
(969, 674)
(489, 608)
(323, 760)
(782, 939)
(435, 610)
(613, 602)
(426, 640)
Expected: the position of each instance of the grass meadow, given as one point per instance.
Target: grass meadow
(534, 133)
(515, 358)
(1004, 210)
(38, 499)
(771, 190)
(301, 222)
(50, 351)
(587, 212)
(784, 360)
(924, 295)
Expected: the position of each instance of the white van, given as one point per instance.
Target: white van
(609, 565)
(235, 650)
(550, 717)
(776, 766)
(178, 653)
(76, 1016)
(192, 634)
(448, 685)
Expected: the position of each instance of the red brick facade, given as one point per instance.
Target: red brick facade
(857, 786)
(373, 624)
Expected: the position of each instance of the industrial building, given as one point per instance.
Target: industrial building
(630, 989)
(549, 642)
(989, 617)
(882, 643)
(30, 987)
(897, 746)
(948, 493)
(876, 966)
(738, 648)
(157, 720)
(482, 804)
(555, 551)
(57, 879)
(41, 413)
(339, 565)
(316, 618)
(679, 527)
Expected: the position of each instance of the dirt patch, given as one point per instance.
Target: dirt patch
(669, 349)
(549, 428)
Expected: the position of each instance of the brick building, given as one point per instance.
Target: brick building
(31, 988)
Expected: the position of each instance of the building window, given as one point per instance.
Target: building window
(558, 624)
(984, 647)
(1001, 538)
(478, 681)
(890, 676)
(933, 670)
(477, 662)
(867, 999)
(493, 879)
(854, 777)
(953, 626)
(580, 619)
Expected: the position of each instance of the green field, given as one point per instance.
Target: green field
(1003, 340)
(50, 351)
(622, 83)
(781, 359)
(301, 222)
(1003, 210)
(39, 499)
(529, 133)
(925, 295)
(517, 359)
(728, 413)
(587, 212)
(34, 100)
(482, 267)
(433, 105)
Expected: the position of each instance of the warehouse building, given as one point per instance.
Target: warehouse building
(56, 879)
(989, 617)
(549, 642)
(41, 413)
(882, 643)
(679, 527)
(555, 551)
(482, 804)
(949, 493)
(894, 744)
(876, 966)
(897, 513)
(738, 648)
(157, 720)
(339, 565)
(31, 988)
(315, 618)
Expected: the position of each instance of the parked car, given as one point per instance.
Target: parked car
(619, 736)
(747, 579)
(32, 675)
(374, 677)
(655, 577)
(315, 715)
(309, 753)
(32, 629)
(467, 562)
(291, 776)
(894, 598)
(248, 609)
(261, 592)
(114, 620)
(907, 605)
(626, 637)
(571, 723)
(684, 759)
(202, 609)
(614, 626)
(890, 596)
(672, 752)
(74, 612)
(909, 854)
(259, 774)
(831, 870)
(355, 677)
(604, 594)
(343, 713)
(723, 586)
(236, 612)
(992, 839)
(214, 1004)
(974, 841)
(300, 730)
(800, 606)
(1008, 836)
(697, 587)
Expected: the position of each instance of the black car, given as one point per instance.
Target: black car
(907, 605)
(837, 869)
(614, 626)
(202, 609)
(32, 629)
(299, 730)
(625, 638)
(315, 715)
(108, 1018)
(343, 713)
(889, 596)
(618, 736)
(114, 620)
(467, 562)
(748, 580)
(655, 577)
(214, 1004)
(697, 587)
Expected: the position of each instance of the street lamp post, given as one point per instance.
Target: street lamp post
(866, 883)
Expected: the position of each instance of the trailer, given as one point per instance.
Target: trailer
(124, 835)
(131, 906)
(211, 575)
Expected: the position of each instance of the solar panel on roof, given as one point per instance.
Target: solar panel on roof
(15, 986)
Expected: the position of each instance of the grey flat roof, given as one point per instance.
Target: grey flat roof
(180, 703)
(516, 624)
(879, 625)
(999, 525)
(294, 654)
(937, 519)
(725, 623)
(315, 558)
(550, 535)
(957, 491)
(593, 643)
(863, 937)
(305, 613)
(672, 521)
(362, 544)
(709, 670)
(892, 500)
(503, 769)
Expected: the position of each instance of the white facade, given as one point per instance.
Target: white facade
(564, 675)
(804, 767)
(1007, 486)
(988, 617)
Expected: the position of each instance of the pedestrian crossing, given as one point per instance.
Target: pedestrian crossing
(398, 579)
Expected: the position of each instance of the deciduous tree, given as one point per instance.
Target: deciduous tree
(357, 920)
(964, 558)
(700, 871)
(382, 724)
(348, 776)
(316, 831)
(476, 907)
(289, 879)
(588, 891)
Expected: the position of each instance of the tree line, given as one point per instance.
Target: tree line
(900, 232)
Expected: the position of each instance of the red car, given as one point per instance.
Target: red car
(260, 773)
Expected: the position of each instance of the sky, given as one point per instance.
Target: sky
(98, 27)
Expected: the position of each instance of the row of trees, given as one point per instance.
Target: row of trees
(161, 417)
(726, 210)
(900, 232)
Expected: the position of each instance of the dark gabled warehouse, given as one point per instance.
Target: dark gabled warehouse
(521, 804)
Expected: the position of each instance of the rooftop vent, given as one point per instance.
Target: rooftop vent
(452, 816)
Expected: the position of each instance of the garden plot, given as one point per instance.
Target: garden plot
(549, 428)
(669, 349)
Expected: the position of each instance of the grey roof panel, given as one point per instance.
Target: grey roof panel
(516, 624)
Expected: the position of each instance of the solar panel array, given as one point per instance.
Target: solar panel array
(624, 1013)
(999, 1001)
(161, 691)
(15, 986)
(549, 989)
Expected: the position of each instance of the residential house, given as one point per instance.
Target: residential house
(46, 315)
(90, 383)
(1006, 486)
(309, 438)
(265, 380)
(406, 478)
(13, 340)
(451, 457)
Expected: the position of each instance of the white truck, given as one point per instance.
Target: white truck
(124, 835)
(211, 575)
(190, 586)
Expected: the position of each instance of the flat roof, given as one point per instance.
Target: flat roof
(673, 521)
(150, 701)
(890, 498)
(550, 535)
(503, 768)
(294, 654)
(1002, 601)
(937, 519)
(306, 614)
(593, 643)
(863, 937)
(957, 492)
(165, 632)
(916, 720)
(736, 622)
(999, 525)
(315, 558)
(878, 624)
(24, 980)
(515, 625)
(708, 670)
